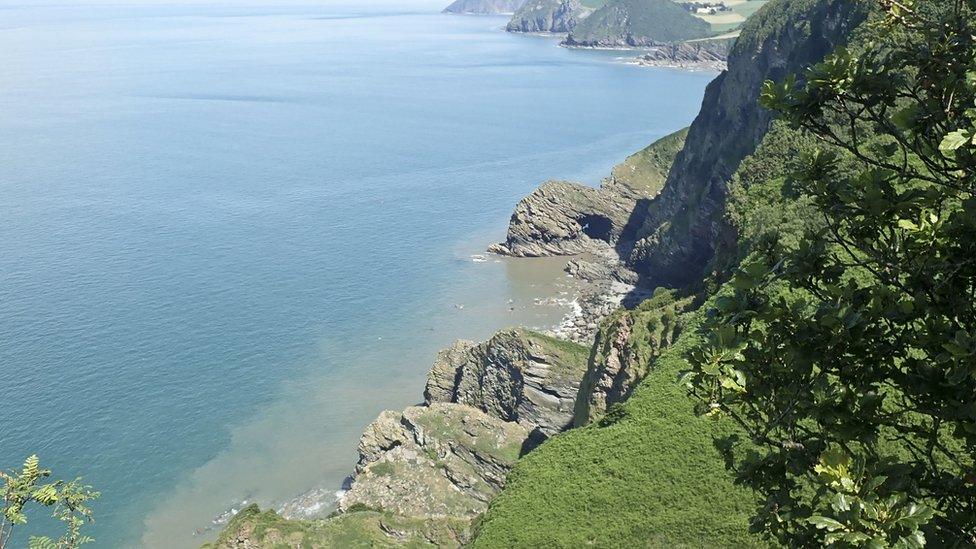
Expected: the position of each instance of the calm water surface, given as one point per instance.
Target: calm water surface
(232, 233)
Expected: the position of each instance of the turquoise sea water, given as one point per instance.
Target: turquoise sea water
(232, 233)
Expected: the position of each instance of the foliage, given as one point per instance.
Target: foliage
(69, 501)
(647, 475)
(634, 21)
(850, 360)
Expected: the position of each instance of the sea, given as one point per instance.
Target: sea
(232, 232)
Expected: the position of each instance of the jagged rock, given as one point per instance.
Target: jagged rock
(556, 16)
(562, 218)
(703, 55)
(441, 460)
(678, 231)
(484, 7)
(517, 375)
(626, 345)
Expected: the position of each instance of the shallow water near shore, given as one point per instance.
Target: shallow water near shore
(232, 233)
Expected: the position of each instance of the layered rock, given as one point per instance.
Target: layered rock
(517, 376)
(700, 55)
(555, 16)
(484, 7)
(563, 218)
(626, 346)
(441, 460)
(637, 24)
(676, 236)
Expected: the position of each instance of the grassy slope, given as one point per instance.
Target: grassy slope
(647, 170)
(658, 20)
(647, 475)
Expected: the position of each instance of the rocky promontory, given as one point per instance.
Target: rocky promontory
(709, 55)
(548, 16)
(637, 24)
(424, 473)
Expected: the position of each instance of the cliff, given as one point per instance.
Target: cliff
(637, 23)
(424, 473)
(700, 55)
(563, 218)
(484, 7)
(557, 16)
(517, 375)
(678, 232)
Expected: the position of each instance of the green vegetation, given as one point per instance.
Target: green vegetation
(645, 172)
(648, 474)
(356, 528)
(69, 500)
(848, 358)
(637, 23)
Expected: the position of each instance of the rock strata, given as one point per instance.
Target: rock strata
(517, 376)
(441, 460)
(628, 342)
(701, 55)
(563, 218)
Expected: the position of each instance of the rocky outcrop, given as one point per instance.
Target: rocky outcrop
(484, 7)
(637, 24)
(698, 55)
(676, 236)
(555, 16)
(440, 460)
(563, 218)
(626, 346)
(517, 375)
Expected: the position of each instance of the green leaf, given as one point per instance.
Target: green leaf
(826, 523)
(954, 141)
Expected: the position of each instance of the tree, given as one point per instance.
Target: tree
(850, 361)
(68, 499)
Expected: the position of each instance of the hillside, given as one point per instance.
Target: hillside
(555, 16)
(637, 23)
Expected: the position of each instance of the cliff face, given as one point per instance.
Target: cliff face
(484, 7)
(517, 376)
(626, 346)
(563, 218)
(637, 23)
(676, 238)
(548, 16)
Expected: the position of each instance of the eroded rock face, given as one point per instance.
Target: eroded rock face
(441, 460)
(556, 16)
(517, 375)
(702, 55)
(679, 229)
(563, 218)
(626, 346)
